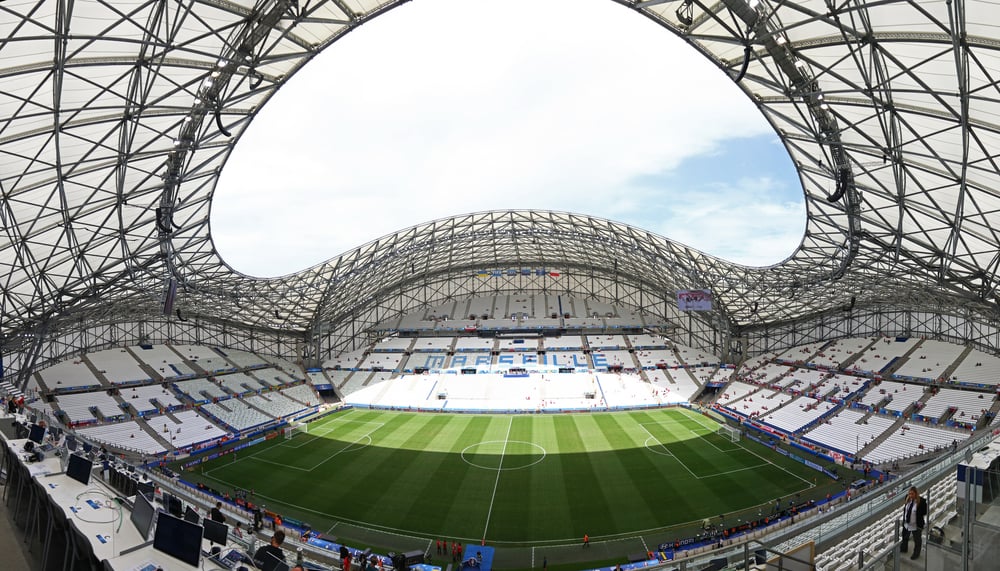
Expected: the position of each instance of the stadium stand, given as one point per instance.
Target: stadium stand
(201, 390)
(967, 406)
(849, 431)
(840, 351)
(244, 359)
(929, 360)
(671, 390)
(349, 360)
(118, 366)
(606, 342)
(911, 439)
(163, 361)
(797, 413)
(68, 375)
(128, 436)
(81, 407)
(977, 369)
(239, 383)
(145, 398)
(647, 341)
(383, 361)
(881, 353)
(236, 414)
(207, 359)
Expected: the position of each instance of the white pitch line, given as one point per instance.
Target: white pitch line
(782, 468)
(499, 471)
(669, 453)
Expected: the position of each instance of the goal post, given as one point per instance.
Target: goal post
(294, 428)
(731, 433)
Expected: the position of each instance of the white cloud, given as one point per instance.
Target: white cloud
(747, 220)
(442, 107)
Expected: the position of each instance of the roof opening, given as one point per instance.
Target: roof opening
(442, 107)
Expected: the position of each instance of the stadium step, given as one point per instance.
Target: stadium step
(986, 419)
(946, 374)
(882, 437)
(846, 364)
(150, 428)
(897, 363)
(98, 374)
(144, 366)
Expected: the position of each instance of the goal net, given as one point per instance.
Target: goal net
(730, 432)
(294, 428)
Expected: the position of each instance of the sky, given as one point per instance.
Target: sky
(443, 107)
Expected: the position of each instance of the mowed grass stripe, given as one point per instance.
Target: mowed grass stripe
(462, 492)
(537, 499)
(414, 488)
(629, 502)
(584, 487)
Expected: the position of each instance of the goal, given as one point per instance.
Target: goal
(294, 428)
(730, 432)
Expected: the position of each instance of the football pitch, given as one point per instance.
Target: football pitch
(510, 479)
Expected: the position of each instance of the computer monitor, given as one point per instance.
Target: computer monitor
(79, 468)
(216, 532)
(143, 514)
(146, 489)
(173, 505)
(71, 443)
(36, 433)
(191, 515)
(178, 538)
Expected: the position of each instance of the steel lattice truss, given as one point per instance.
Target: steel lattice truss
(116, 118)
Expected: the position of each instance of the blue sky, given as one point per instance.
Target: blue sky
(442, 107)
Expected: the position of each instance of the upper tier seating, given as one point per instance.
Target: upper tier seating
(881, 353)
(930, 360)
(69, 374)
(978, 368)
(840, 351)
(118, 366)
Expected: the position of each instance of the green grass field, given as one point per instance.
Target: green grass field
(511, 479)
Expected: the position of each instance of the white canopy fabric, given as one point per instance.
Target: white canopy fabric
(116, 119)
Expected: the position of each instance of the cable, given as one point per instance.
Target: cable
(107, 504)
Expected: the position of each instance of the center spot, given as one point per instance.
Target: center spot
(496, 455)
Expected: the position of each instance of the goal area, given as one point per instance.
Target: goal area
(294, 428)
(730, 432)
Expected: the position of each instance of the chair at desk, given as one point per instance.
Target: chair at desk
(38, 518)
(22, 495)
(83, 552)
(59, 542)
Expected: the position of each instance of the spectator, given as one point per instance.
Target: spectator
(914, 511)
(216, 513)
(269, 556)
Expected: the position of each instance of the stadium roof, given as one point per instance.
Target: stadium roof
(117, 117)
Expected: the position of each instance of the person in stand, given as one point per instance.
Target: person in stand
(914, 512)
(269, 556)
(216, 513)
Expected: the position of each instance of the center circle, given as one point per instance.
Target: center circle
(503, 455)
